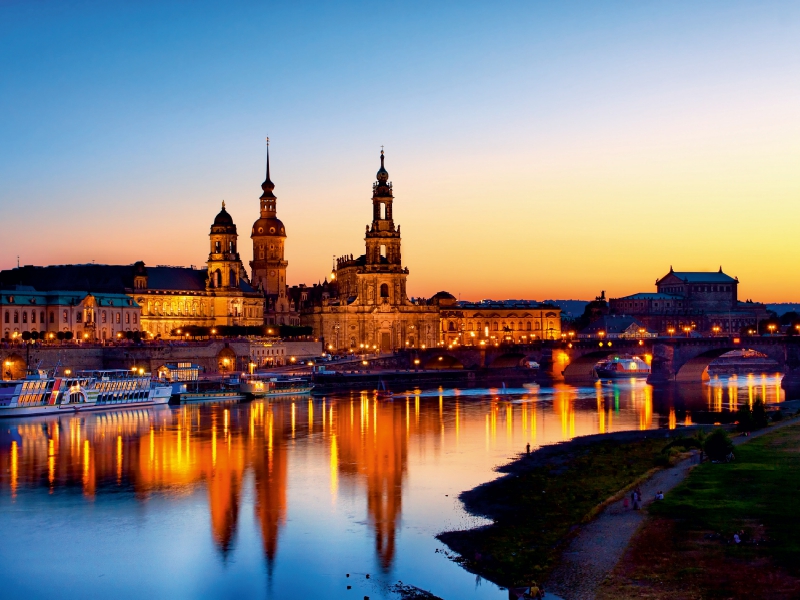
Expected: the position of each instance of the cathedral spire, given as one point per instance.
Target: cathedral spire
(383, 174)
(267, 186)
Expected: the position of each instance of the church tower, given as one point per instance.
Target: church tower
(269, 236)
(383, 238)
(224, 264)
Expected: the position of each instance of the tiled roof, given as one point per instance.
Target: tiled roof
(650, 296)
(701, 276)
(16, 297)
(176, 278)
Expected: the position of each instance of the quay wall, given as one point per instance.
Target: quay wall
(216, 356)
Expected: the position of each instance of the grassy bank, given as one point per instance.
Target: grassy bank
(542, 499)
(687, 550)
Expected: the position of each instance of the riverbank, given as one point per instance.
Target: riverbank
(687, 549)
(544, 497)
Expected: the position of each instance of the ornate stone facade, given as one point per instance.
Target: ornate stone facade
(493, 323)
(87, 316)
(366, 303)
(169, 298)
(703, 301)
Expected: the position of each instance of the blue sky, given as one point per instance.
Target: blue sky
(529, 143)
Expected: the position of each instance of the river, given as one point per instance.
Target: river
(283, 499)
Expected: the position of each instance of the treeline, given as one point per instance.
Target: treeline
(284, 331)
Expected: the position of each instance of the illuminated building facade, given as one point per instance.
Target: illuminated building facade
(87, 316)
(494, 322)
(365, 304)
(161, 299)
(702, 301)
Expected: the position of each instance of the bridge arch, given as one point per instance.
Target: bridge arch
(696, 368)
(582, 367)
(508, 360)
(13, 367)
(226, 360)
(443, 361)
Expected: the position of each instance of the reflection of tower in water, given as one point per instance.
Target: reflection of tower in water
(374, 444)
(270, 468)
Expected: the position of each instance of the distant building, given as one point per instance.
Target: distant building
(365, 303)
(166, 298)
(615, 327)
(701, 301)
(87, 316)
(491, 322)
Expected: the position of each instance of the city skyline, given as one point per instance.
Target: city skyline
(609, 147)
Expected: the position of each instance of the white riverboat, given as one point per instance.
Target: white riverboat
(42, 394)
(260, 387)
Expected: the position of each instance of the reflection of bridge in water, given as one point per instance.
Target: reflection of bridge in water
(673, 359)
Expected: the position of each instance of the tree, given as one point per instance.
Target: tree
(744, 418)
(760, 419)
(718, 445)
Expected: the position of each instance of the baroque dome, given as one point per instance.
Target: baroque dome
(223, 222)
(268, 227)
(223, 218)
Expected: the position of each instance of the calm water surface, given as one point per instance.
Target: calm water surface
(282, 499)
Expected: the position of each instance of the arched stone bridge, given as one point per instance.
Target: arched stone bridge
(673, 359)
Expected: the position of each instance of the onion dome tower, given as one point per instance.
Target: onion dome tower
(269, 236)
(223, 258)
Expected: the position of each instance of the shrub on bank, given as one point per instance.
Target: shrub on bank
(777, 416)
(760, 419)
(683, 444)
(718, 445)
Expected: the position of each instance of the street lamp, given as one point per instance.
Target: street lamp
(715, 329)
(671, 331)
(687, 330)
(771, 328)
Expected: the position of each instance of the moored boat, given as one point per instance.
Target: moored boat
(42, 394)
(622, 367)
(261, 387)
(211, 396)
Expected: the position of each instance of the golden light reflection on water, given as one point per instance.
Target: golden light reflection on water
(366, 445)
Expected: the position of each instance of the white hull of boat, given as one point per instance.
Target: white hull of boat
(190, 398)
(79, 407)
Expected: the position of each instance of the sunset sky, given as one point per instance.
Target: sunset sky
(537, 149)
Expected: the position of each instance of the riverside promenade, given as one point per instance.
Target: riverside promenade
(599, 545)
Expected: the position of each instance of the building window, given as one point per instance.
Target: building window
(103, 316)
(8, 317)
(128, 318)
(66, 317)
(384, 290)
(118, 318)
(79, 317)
(134, 319)
(24, 317)
(217, 247)
(41, 317)
(33, 316)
